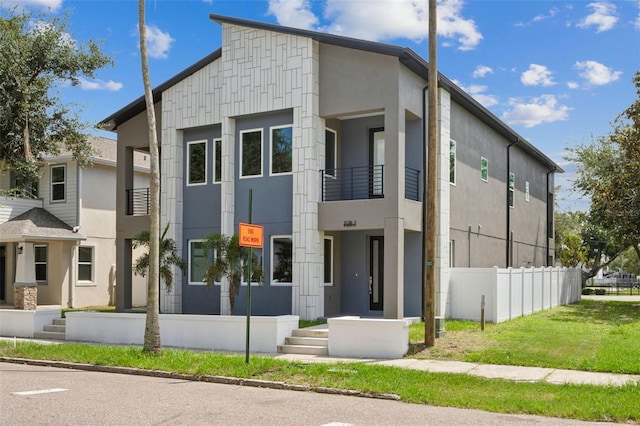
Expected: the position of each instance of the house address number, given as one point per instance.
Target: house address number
(349, 223)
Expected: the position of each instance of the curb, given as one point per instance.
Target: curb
(203, 378)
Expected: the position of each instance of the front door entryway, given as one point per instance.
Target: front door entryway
(376, 273)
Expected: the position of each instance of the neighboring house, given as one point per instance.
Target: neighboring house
(60, 231)
(328, 133)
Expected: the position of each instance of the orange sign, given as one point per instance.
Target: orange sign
(251, 235)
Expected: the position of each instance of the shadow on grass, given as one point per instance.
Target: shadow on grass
(604, 312)
(415, 348)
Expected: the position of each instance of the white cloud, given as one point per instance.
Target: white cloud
(572, 85)
(537, 75)
(596, 73)
(111, 86)
(552, 12)
(42, 27)
(158, 42)
(293, 13)
(481, 71)
(54, 5)
(477, 92)
(544, 109)
(603, 16)
(386, 20)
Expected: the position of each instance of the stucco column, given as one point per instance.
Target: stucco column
(393, 268)
(227, 207)
(443, 191)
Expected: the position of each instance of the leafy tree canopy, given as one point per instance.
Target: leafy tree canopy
(38, 54)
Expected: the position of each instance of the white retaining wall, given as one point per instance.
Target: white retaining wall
(24, 323)
(355, 337)
(510, 293)
(212, 332)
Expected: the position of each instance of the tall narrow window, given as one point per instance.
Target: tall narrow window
(40, 260)
(58, 182)
(256, 268)
(484, 169)
(328, 261)
(197, 163)
(512, 187)
(281, 143)
(85, 263)
(330, 152)
(281, 259)
(217, 160)
(526, 191)
(452, 162)
(197, 262)
(251, 153)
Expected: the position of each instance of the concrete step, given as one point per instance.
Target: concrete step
(307, 341)
(56, 328)
(303, 350)
(310, 332)
(53, 335)
(60, 321)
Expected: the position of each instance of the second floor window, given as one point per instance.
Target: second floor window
(281, 142)
(197, 163)
(58, 183)
(217, 160)
(251, 153)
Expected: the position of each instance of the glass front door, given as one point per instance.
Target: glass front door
(376, 272)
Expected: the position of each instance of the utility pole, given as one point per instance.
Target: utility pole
(432, 173)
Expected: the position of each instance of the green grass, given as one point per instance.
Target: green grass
(567, 401)
(592, 335)
(310, 323)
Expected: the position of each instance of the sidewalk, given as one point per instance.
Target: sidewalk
(490, 371)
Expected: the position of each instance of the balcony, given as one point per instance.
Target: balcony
(138, 202)
(363, 183)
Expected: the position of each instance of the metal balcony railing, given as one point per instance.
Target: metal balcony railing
(353, 183)
(138, 202)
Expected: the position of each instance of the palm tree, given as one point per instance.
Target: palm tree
(168, 257)
(229, 260)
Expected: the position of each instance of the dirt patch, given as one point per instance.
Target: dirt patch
(454, 346)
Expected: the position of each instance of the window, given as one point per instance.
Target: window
(526, 191)
(452, 162)
(58, 182)
(197, 262)
(256, 267)
(281, 259)
(512, 187)
(251, 153)
(197, 163)
(281, 142)
(40, 260)
(484, 169)
(330, 152)
(328, 261)
(85, 263)
(217, 160)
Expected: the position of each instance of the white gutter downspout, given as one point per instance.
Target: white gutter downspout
(74, 250)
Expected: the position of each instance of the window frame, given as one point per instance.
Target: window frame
(324, 266)
(272, 264)
(484, 169)
(63, 183)
(243, 282)
(189, 263)
(453, 148)
(271, 151)
(206, 162)
(45, 262)
(526, 191)
(335, 152)
(92, 263)
(512, 189)
(217, 158)
(240, 163)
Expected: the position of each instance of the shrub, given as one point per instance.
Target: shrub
(601, 291)
(587, 291)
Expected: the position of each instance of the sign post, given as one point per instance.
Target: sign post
(250, 236)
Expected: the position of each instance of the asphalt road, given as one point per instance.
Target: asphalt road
(33, 395)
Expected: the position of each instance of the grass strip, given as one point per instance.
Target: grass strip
(584, 402)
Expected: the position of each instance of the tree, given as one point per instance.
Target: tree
(609, 174)
(230, 261)
(168, 257)
(152, 325)
(37, 54)
(573, 253)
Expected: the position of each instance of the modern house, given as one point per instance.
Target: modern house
(58, 235)
(329, 133)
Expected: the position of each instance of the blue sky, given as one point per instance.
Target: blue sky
(558, 72)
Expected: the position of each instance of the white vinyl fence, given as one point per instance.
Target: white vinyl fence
(511, 292)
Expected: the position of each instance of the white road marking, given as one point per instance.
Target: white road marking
(38, 392)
